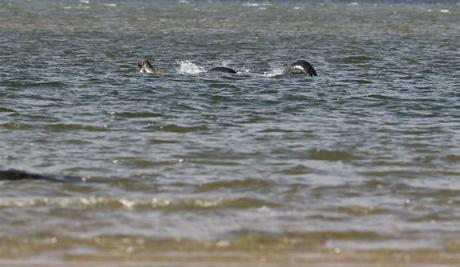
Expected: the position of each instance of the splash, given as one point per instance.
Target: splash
(225, 63)
(189, 67)
(274, 72)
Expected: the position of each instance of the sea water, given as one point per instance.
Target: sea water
(360, 164)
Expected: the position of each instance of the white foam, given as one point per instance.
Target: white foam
(189, 67)
(274, 72)
(251, 4)
(110, 5)
(255, 4)
(444, 11)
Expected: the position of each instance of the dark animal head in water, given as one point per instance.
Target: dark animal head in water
(145, 66)
(300, 67)
(222, 69)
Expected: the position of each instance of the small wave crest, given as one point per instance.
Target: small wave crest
(189, 67)
(108, 202)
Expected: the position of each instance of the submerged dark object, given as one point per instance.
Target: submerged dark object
(146, 66)
(222, 69)
(16, 175)
(300, 67)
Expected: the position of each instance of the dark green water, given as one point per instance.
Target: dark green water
(359, 164)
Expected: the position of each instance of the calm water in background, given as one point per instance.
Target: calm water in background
(361, 163)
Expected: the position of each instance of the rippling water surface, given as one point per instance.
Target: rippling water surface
(358, 165)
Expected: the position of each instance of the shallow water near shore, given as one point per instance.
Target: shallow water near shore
(359, 165)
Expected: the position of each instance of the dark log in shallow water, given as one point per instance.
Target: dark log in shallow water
(16, 175)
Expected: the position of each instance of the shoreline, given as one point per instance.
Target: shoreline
(239, 259)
